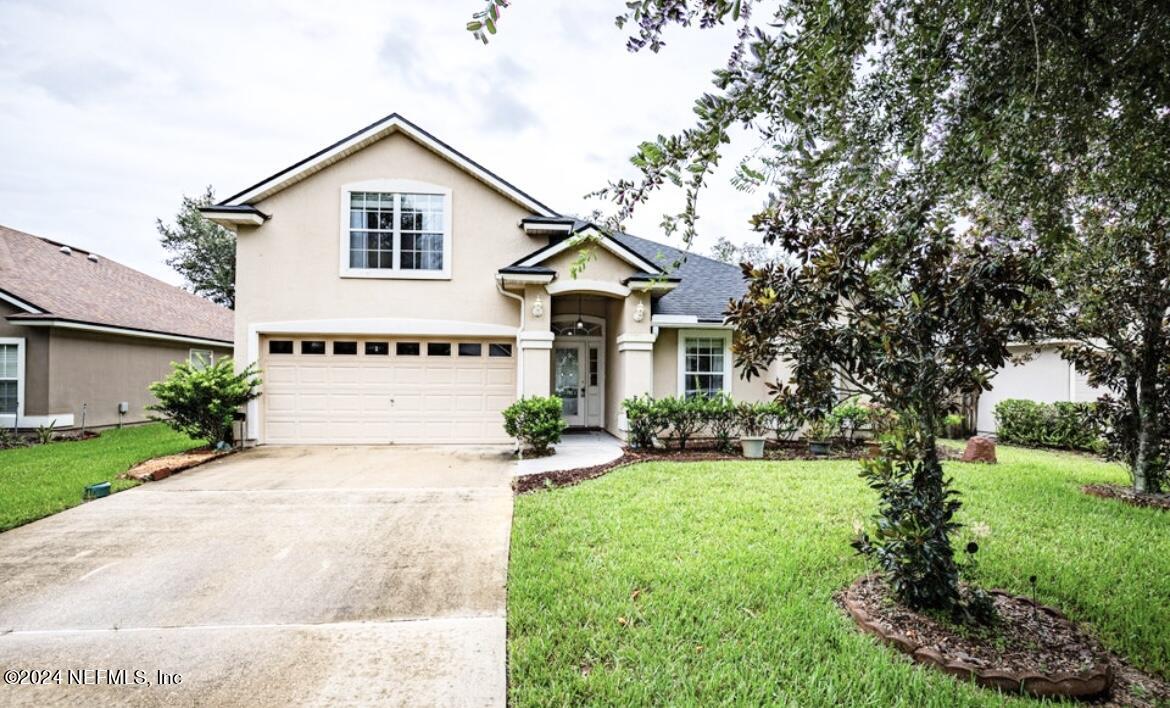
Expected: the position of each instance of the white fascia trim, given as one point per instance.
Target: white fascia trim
(653, 285)
(233, 218)
(370, 135)
(674, 319)
(604, 287)
(60, 420)
(398, 187)
(605, 241)
(706, 333)
(524, 279)
(105, 329)
(546, 228)
(27, 307)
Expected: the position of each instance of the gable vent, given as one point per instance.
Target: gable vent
(66, 250)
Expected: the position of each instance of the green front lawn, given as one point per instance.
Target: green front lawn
(692, 583)
(44, 479)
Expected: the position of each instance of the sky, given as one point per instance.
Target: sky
(110, 112)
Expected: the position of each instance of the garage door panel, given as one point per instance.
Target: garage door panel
(324, 399)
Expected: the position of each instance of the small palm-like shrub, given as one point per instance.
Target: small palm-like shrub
(536, 422)
(752, 419)
(201, 402)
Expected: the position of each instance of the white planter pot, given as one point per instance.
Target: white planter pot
(753, 448)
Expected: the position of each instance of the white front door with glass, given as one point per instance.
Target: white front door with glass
(577, 379)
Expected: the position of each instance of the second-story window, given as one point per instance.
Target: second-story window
(398, 233)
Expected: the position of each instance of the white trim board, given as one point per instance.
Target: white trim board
(26, 306)
(369, 135)
(107, 329)
(601, 239)
(60, 420)
(582, 285)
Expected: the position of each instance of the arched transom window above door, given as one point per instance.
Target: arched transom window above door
(569, 328)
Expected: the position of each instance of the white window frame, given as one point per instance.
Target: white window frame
(397, 186)
(208, 361)
(9, 420)
(684, 335)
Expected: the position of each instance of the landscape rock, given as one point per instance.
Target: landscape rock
(980, 449)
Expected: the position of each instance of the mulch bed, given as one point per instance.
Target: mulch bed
(1128, 495)
(163, 467)
(700, 451)
(1031, 649)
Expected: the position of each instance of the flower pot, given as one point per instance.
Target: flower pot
(753, 447)
(820, 448)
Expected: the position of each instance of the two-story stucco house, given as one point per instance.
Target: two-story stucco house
(393, 290)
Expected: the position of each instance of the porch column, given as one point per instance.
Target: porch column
(536, 340)
(635, 347)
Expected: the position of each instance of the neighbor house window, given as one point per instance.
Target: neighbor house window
(9, 378)
(397, 229)
(200, 358)
(704, 363)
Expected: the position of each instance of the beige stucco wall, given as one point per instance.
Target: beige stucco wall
(102, 370)
(1045, 378)
(36, 357)
(289, 268)
(602, 265)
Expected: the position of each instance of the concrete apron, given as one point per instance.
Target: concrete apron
(281, 575)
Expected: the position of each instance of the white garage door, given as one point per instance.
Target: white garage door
(388, 390)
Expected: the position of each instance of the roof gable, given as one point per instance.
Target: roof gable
(393, 123)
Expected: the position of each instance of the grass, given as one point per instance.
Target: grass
(45, 479)
(696, 583)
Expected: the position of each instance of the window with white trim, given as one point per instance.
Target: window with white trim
(704, 363)
(396, 229)
(9, 378)
(200, 358)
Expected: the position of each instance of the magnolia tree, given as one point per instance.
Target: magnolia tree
(880, 129)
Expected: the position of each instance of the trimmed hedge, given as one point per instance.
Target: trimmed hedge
(535, 422)
(1062, 425)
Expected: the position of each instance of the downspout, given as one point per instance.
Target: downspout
(523, 321)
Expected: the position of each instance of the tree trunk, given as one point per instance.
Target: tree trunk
(1149, 443)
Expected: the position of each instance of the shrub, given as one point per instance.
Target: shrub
(782, 419)
(536, 422)
(685, 416)
(822, 429)
(847, 416)
(1063, 425)
(643, 421)
(201, 402)
(45, 432)
(752, 419)
(722, 420)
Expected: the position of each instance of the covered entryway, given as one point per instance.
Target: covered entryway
(349, 390)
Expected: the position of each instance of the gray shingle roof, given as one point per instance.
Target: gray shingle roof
(707, 284)
(73, 287)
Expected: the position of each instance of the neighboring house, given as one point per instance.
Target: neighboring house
(393, 290)
(1043, 377)
(83, 334)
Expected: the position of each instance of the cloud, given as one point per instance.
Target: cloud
(504, 112)
(79, 85)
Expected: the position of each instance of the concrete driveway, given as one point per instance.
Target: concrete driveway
(280, 575)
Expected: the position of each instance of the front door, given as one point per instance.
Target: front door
(568, 381)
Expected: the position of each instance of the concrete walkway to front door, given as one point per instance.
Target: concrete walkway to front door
(576, 450)
(278, 576)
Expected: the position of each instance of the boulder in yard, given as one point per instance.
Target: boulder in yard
(980, 449)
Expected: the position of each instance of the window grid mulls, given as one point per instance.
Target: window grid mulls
(9, 378)
(396, 231)
(703, 369)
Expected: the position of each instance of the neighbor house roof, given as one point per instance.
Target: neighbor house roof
(57, 284)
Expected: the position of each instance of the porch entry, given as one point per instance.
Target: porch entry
(578, 374)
